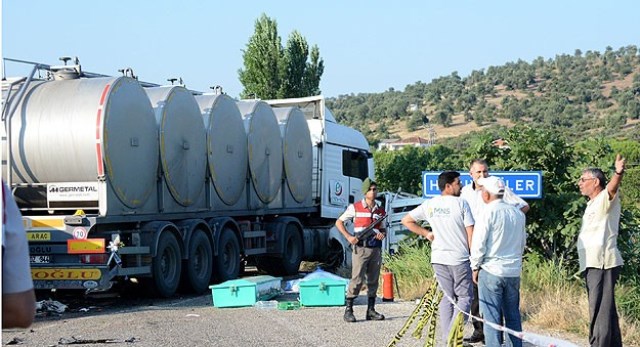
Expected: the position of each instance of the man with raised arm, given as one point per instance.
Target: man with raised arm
(600, 260)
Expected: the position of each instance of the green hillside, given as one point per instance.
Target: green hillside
(578, 95)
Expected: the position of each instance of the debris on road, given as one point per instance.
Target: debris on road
(46, 306)
(16, 341)
(51, 306)
(74, 341)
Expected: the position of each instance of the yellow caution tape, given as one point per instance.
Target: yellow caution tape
(456, 334)
(427, 311)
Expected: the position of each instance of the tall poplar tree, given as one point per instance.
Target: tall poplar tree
(313, 73)
(262, 59)
(294, 66)
(271, 71)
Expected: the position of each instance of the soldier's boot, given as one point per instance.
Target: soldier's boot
(348, 312)
(371, 311)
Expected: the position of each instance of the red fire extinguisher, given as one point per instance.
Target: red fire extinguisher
(387, 285)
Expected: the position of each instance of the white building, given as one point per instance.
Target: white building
(396, 144)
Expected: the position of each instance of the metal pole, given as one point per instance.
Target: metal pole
(9, 115)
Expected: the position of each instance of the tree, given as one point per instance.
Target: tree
(294, 65)
(313, 73)
(403, 168)
(262, 59)
(271, 71)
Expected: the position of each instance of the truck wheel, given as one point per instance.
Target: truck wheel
(227, 264)
(289, 262)
(200, 262)
(292, 252)
(166, 265)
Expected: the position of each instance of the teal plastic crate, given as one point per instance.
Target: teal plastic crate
(322, 292)
(246, 291)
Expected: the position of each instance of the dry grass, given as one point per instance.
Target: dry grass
(624, 83)
(561, 308)
(565, 308)
(413, 290)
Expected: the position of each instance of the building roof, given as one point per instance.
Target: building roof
(414, 139)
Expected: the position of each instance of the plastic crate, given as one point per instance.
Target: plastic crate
(288, 305)
(322, 292)
(246, 291)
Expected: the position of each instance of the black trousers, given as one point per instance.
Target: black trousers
(604, 329)
(475, 310)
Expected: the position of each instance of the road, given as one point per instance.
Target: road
(130, 317)
(193, 321)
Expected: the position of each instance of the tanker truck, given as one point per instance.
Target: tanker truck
(119, 179)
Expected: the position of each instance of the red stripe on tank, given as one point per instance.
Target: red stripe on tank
(98, 130)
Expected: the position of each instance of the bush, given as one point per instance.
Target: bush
(411, 267)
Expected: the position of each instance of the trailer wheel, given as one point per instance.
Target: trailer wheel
(227, 264)
(166, 265)
(200, 262)
(292, 252)
(289, 262)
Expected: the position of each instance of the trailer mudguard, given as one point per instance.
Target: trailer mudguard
(276, 232)
(150, 234)
(218, 224)
(188, 226)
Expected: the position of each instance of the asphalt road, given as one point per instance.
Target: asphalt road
(193, 321)
(133, 319)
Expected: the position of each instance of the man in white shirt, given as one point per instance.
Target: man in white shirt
(498, 243)
(472, 194)
(452, 223)
(600, 260)
(18, 297)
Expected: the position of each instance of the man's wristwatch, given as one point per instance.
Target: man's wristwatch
(619, 173)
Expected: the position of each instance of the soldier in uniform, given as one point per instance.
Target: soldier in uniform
(367, 253)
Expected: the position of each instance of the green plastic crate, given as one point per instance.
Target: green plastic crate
(246, 291)
(322, 292)
(288, 305)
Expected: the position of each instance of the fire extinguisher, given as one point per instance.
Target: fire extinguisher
(387, 285)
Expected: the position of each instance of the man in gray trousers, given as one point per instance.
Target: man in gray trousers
(452, 222)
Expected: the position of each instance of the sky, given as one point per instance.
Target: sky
(367, 46)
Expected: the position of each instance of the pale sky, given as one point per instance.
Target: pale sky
(367, 46)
